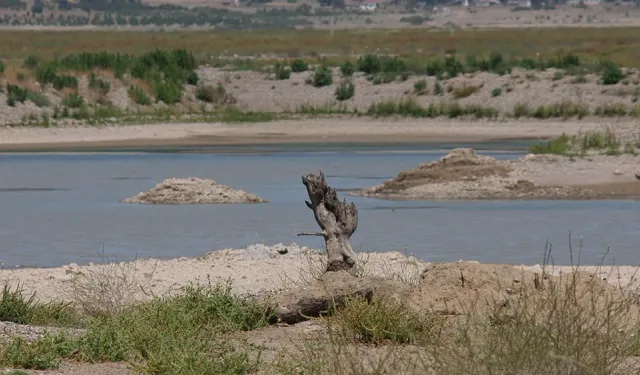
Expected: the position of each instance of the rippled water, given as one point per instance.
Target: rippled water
(61, 208)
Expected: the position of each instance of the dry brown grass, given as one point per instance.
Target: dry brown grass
(107, 288)
(573, 324)
(621, 45)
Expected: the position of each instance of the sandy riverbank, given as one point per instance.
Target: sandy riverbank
(254, 270)
(357, 130)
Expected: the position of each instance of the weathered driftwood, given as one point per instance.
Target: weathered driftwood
(330, 292)
(337, 220)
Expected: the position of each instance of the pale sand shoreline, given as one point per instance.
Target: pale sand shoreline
(326, 130)
(253, 270)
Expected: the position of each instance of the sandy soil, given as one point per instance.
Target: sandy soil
(359, 130)
(464, 175)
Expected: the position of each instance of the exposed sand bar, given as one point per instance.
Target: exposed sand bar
(356, 130)
(254, 270)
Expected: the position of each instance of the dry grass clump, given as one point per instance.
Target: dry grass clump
(541, 324)
(107, 288)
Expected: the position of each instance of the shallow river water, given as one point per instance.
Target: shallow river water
(60, 208)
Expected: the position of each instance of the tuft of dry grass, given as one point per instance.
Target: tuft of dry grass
(106, 289)
(568, 324)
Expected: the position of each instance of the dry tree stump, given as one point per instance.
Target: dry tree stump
(337, 220)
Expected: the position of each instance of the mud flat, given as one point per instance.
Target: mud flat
(193, 190)
(462, 174)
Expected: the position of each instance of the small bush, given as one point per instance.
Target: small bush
(15, 94)
(139, 96)
(73, 100)
(299, 66)
(345, 91)
(437, 89)
(31, 62)
(2, 67)
(281, 71)
(496, 92)
(38, 98)
(217, 95)
(420, 87)
(347, 69)
(322, 76)
(521, 110)
(611, 73)
(99, 84)
(384, 320)
(63, 81)
(192, 78)
(168, 92)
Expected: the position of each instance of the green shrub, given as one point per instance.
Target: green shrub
(2, 67)
(345, 91)
(299, 66)
(611, 73)
(15, 94)
(383, 320)
(98, 83)
(60, 82)
(38, 98)
(347, 69)
(420, 87)
(521, 110)
(437, 89)
(139, 96)
(73, 100)
(322, 76)
(369, 64)
(31, 62)
(281, 71)
(496, 92)
(168, 92)
(192, 78)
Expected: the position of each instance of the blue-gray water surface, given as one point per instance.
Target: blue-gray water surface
(60, 208)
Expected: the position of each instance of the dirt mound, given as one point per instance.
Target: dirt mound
(463, 287)
(193, 191)
(461, 164)
(462, 174)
